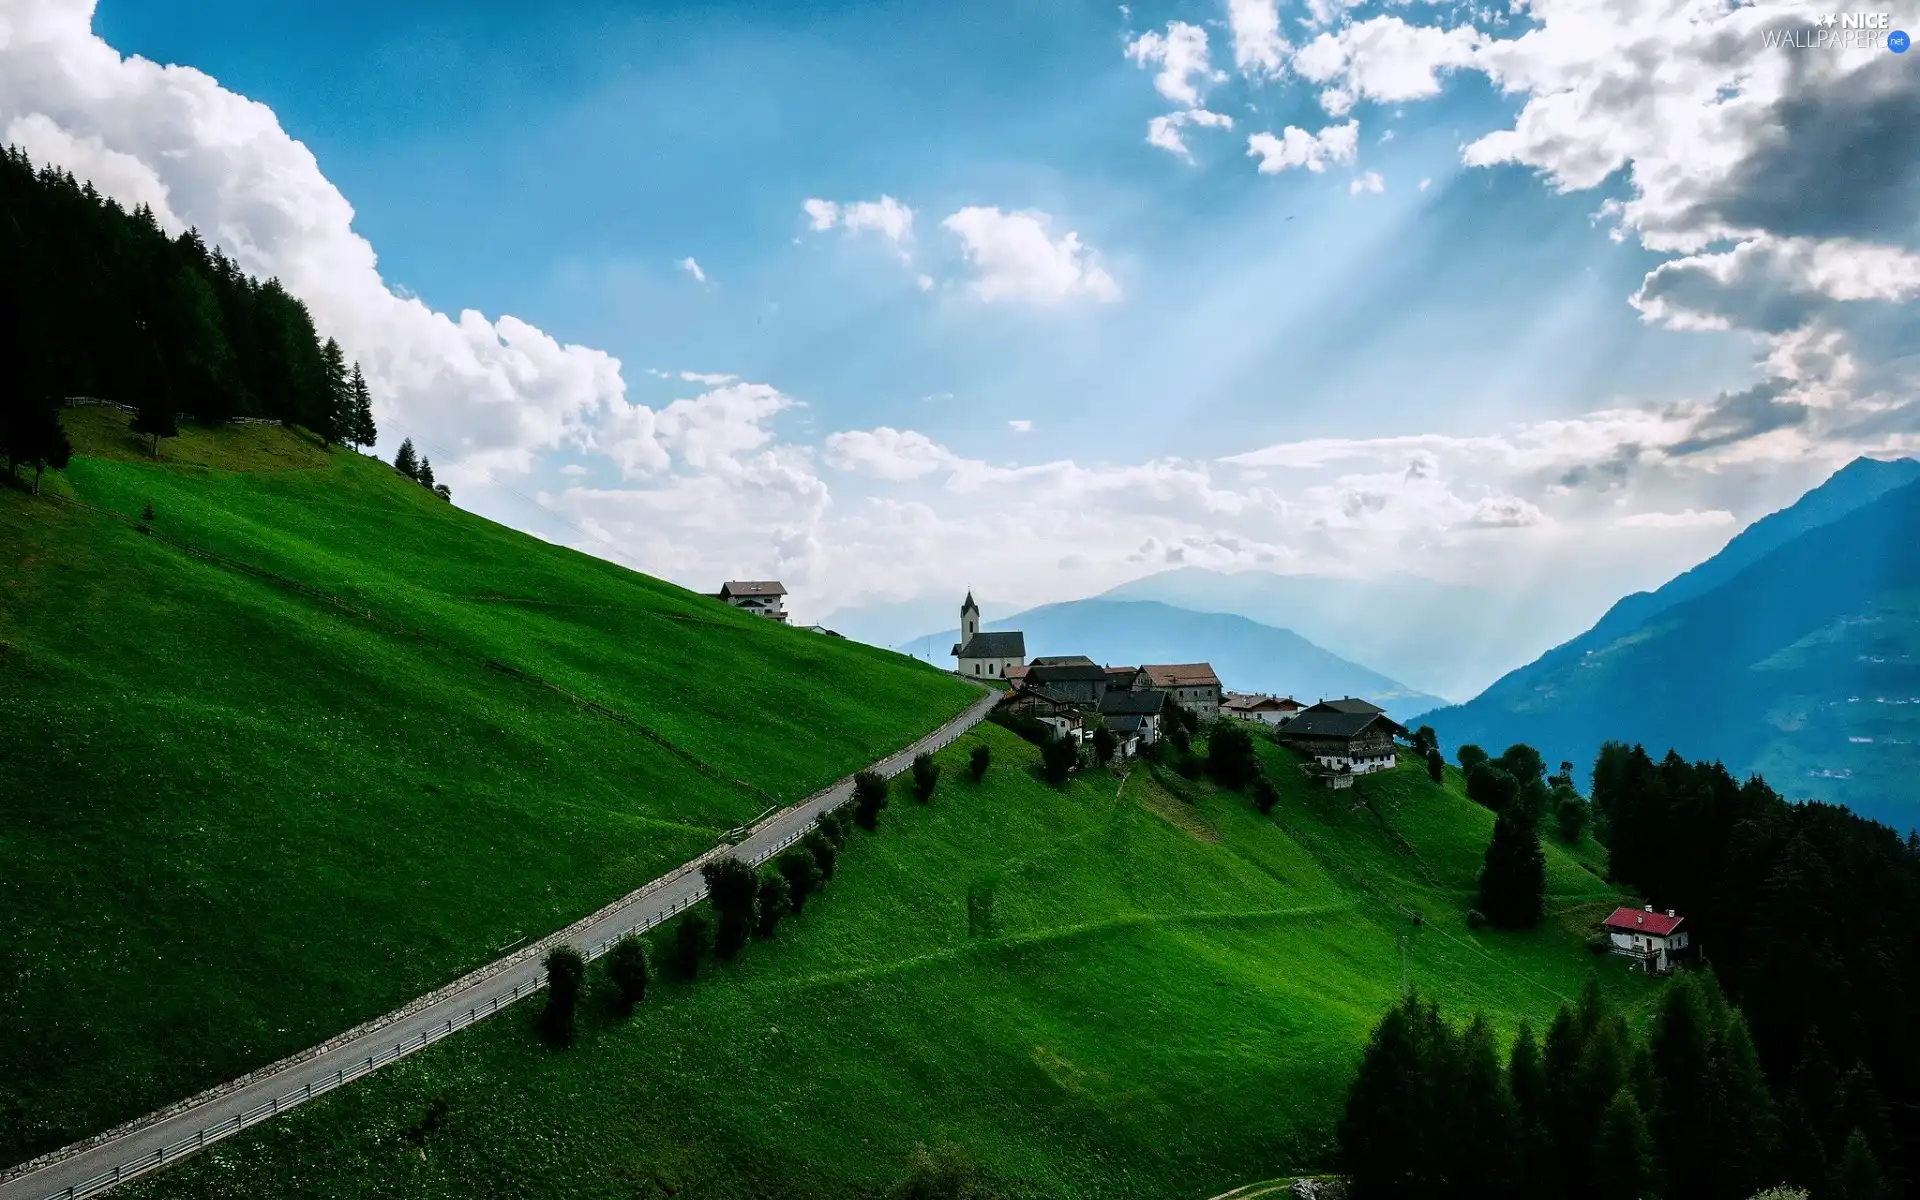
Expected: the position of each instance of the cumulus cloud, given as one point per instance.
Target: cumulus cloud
(1181, 54)
(1687, 519)
(1384, 59)
(886, 453)
(1295, 147)
(1015, 257)
(886, 217)
(692, 268)
(1367, 183)
(1259, 49)
(1164, 131)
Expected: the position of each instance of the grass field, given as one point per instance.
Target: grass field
(266, 777)
(1113, 989)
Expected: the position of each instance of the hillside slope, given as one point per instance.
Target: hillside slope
(320, 742)
(1103, 990)
(1247, 655)
(1803, 664)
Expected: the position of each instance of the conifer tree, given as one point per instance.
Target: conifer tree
(335, 419)
(1436, 765)
(404, 460)
(1514, 878)
(1623, 1155)
(425, 474)
(1858, 1175)
(364, 433)
(978, 759)
(155, 419)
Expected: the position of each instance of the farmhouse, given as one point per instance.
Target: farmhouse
(1054, 711)
(1079, 680)
(1127, 679)
(1349, 704)
(761, 597)
(1134, 714)
(986, 655)
(1351, 743)
(1268, 710)
(1193, 686)
(1654, 940)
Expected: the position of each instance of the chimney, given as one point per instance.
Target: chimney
(1649, 908)
(1669, 912)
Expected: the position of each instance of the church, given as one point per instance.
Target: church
(986, 655)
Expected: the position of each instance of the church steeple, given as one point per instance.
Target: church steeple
(969, 618)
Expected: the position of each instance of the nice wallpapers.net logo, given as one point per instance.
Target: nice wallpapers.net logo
(1843, 31)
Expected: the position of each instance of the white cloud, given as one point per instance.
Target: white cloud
(1689, 519)
(1384, 59)
(886, 453)
(1425, 184)
(485, 394)
(707, 377)
(1015, 258)
(1295, 147)
(1259, 49)
(692, 268)
(1020, 425)
(923, 282)
(1370, 182)
(1182, 55)
(1164, 131)
(887, 217)
(575, 470)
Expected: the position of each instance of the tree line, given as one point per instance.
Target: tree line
(1792, 1062)
(99, 301)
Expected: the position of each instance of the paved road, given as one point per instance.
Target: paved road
(163, 1138)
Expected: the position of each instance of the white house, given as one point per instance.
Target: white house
(1650, 938)
(761, 597)
(986, 655)
(1268, 710)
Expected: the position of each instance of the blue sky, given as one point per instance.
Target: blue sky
(1042, 298)
(558, 164)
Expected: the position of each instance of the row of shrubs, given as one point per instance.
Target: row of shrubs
(746, 902)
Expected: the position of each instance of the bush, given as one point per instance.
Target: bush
(836, 824)
(802, 874)
(1026, 725)
(1177, 734)
(1476, 919)
(1599, 943)
(1189, 765)
(627, 969)
(1470, 756)
(774, 901)
(926, 775)
(869, 797)
(1058, 758)
(825, 854)
(1570, 813)
(1490, 787)
(1436, 766)
(566, 970)
(1105, 742)
(1230, 757)
(977, 761)
(734, 890)
(1265, 795)
(690, 944)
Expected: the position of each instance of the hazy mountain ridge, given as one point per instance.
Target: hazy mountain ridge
(1795, 652)
(1247, 655)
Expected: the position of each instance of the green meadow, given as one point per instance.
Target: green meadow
(1124, 987)
(314, 742)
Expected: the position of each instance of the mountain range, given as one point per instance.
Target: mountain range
(1794, 652)
(1247, 655)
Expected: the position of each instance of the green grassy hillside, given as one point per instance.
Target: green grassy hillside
(320, 742)
(1105, 990)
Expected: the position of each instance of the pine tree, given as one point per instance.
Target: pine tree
(335, 419)
(1527, 1081)
(155, 419)
(1436, 765)
(405, 462)
(1513, 879)
(425, 474)
(364, 434)
(1858, 1176)
(1623, 1154)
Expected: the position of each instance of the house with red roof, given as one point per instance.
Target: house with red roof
(1652, 939)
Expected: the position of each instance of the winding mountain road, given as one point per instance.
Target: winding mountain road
(162, 1138)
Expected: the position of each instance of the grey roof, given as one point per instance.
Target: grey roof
(1065, 672)
(1062, 660)
(752, 587)
(967, 605)
(1318, 722)
(1127, 723)
(993, 645)
(1348, 705)
(1135, 704)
